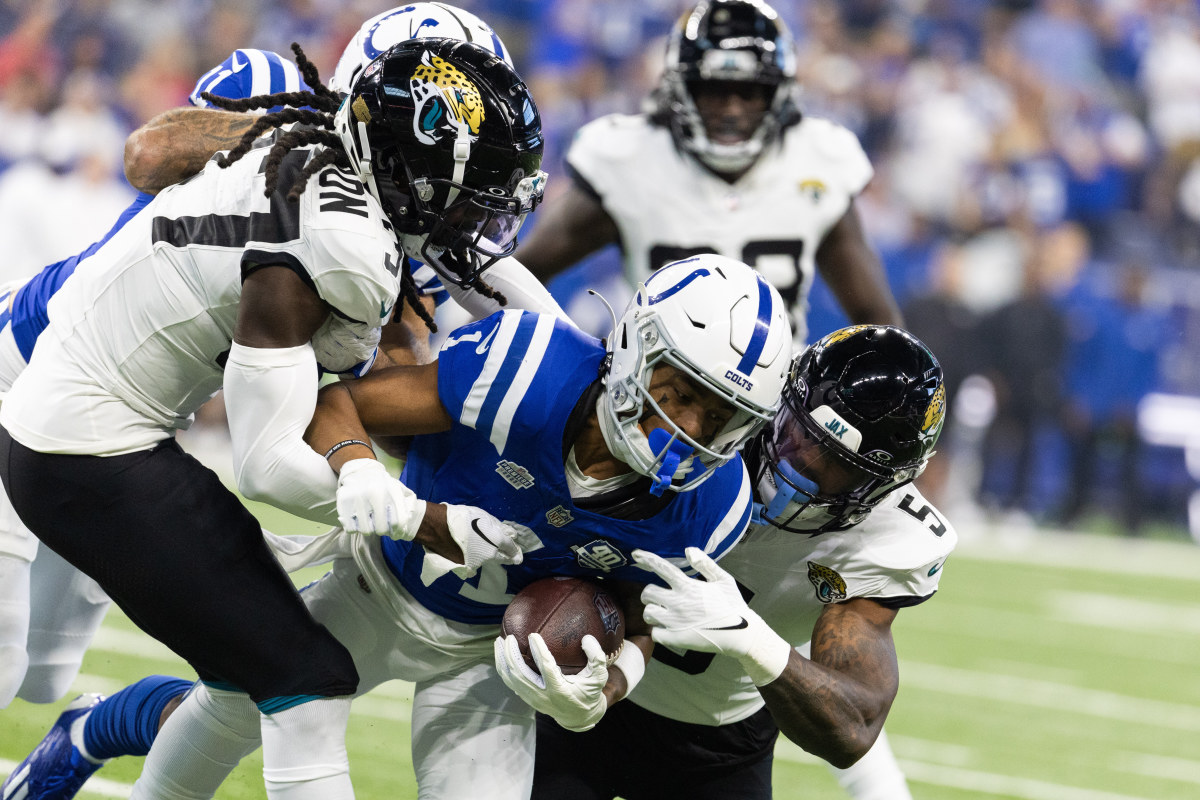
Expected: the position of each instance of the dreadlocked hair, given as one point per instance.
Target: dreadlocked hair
(321, 104)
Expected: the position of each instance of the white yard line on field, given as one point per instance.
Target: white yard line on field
(1125, 556)
(957, 777)
(1125, 613)
(1047, 694)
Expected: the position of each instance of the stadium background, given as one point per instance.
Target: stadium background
(1037, 181)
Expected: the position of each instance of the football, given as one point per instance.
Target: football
(564, 610)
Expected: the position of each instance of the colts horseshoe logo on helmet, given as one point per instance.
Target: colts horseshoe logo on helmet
(446, 102)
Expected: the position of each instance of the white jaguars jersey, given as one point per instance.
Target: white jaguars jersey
(773, 218)
(895, 556)
(139, 335)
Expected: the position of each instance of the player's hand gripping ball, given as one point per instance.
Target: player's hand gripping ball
(564, 610)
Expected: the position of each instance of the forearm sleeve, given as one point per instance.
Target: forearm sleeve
(518, 285)
(270, 395)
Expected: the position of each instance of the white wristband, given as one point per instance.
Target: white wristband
(632, 664)
(769, 657)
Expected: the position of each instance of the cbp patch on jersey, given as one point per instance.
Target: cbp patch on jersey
(599, 554)
(517, 476)
(829, 585)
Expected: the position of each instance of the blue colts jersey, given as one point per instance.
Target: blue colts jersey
(511, 383)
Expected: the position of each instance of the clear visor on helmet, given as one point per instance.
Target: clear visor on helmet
(478, 226)
(815, 482)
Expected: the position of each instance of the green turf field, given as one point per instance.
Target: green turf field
(1049, 667)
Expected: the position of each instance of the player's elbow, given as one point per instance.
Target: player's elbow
(143, 152)
(841, 747)
(254, 482)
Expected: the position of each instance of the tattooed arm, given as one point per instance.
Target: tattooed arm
(834, 705)
(176, 145)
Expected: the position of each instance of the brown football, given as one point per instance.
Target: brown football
(564, 610)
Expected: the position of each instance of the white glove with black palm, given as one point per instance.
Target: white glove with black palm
(710, 616)
(371, 500)
(576, 702)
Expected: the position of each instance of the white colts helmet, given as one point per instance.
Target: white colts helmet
(722, 324)
(412, 21)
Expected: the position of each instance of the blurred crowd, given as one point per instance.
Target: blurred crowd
(1036, 198)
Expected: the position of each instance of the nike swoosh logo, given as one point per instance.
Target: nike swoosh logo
(480, 534)
(934, 570)
(742, 623)
(487, 341)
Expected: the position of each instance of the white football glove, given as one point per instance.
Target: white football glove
(346, 348)
(370, 500)
(480, 536)
(710, 616)
(575, 701)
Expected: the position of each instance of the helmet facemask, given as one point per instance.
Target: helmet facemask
(673, 325)
(812, 480)
(731, 45)
(628, 400)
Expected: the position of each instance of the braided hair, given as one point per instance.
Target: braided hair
(318, 119)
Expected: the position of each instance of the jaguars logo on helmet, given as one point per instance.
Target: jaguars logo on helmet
(446, 101)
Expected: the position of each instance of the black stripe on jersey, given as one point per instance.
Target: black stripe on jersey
(279, 225)
(903, 601)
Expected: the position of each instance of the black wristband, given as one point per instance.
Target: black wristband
(345, 443)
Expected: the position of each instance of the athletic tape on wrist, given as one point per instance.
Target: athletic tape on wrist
(632, 664)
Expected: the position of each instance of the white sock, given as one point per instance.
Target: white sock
(304, 751)
(200, 744)
(14, 625)
(875, 776)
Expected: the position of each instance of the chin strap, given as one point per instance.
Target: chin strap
(676, 451)
(462, 154)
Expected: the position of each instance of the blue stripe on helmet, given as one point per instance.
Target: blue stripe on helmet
(762, 327)
(278, 76)
(679, 285)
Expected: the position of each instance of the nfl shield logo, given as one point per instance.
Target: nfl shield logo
(558, 516)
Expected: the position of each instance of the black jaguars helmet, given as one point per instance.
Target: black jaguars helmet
(447, 138)
(732, 41)
(861, 412)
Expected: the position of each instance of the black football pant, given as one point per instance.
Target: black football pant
(181, 555)
(638, 755)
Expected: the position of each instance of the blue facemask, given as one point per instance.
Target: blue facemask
(786, 491)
